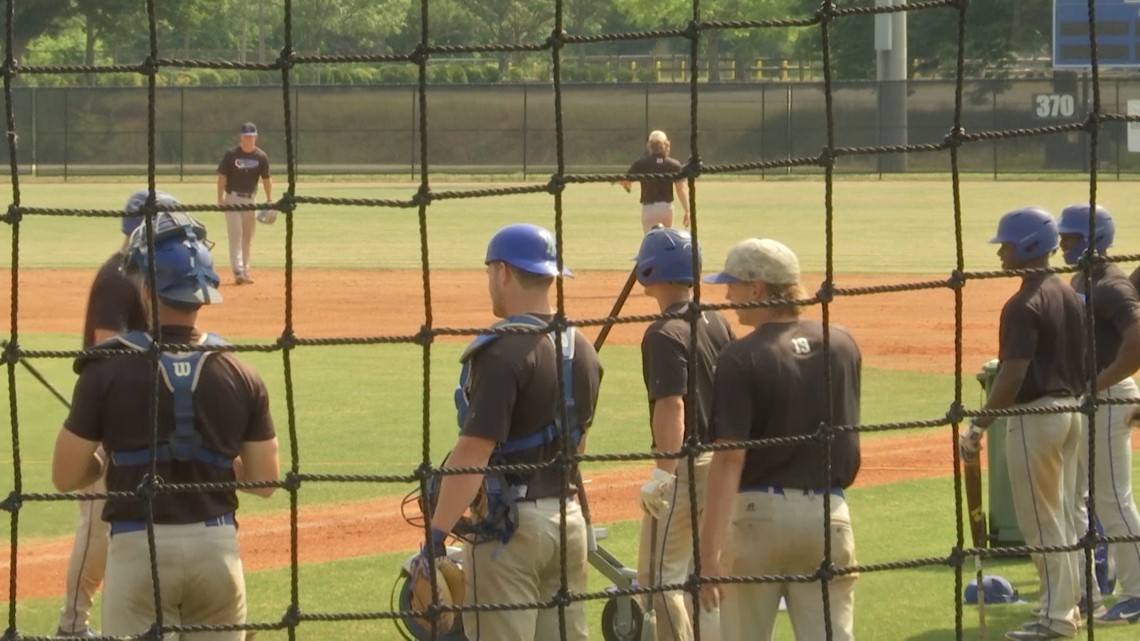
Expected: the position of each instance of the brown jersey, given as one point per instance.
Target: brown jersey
(114, 303)
(243, 169)
(1115, 309)
(655, 191)
(513, 392)
(1044, 323)
(1135, 278)
(665, 356)
(111, 405)
(771, 384)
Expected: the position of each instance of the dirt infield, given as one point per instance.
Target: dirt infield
(364, 528)
(909, 330)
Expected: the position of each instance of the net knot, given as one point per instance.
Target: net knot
(692, 169)
(956, 412)
(420, 54)
(11, 353)
(424, 337)
(957, 280)
(1088, 404)
(1090, 259)
(423, 196)
(955, 137)
(557, 39)
(292, 481)
(284, 59)
(826, 571)
(11, 68)
(826, 292)
(957, 557)
(556, 185)
(826, 11)
(562, 597)
(148, 485)
(824, 432)
(14, 214)
(1092, 122)
(12, 503)
(692, 30)
(149, 66)
(292, 616)
(287, 340)
(826, 157)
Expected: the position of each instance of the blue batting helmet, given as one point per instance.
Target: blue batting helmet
(1075, 220)
(666, 256)
(527, 247)
(135, 204)
(998, 590)
(184, 269)
(1032, 231)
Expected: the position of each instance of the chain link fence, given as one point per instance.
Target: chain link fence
(509, 129)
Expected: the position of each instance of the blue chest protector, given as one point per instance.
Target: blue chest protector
(494, 513)
(180, 373)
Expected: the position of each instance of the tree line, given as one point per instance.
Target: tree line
(91, 32)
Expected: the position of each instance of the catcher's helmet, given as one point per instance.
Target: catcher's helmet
(1075, 220)
(998, 590)
(184, 269)
(1032, 231)
(666, 256)
(135, 204)
(527, 247)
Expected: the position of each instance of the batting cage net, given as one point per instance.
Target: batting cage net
(962, 551)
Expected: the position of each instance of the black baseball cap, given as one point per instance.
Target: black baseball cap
(249, 129)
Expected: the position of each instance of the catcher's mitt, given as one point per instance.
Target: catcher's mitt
(267, 216)
(449, 580)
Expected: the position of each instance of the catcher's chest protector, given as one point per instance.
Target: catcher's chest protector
(180, 373)
(493, 511)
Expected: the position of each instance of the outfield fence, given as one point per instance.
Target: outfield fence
(831, 133)
(510, 128)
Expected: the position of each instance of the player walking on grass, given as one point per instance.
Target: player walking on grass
(665, 269)
(212, 408)
(764, 507)
(1116, 321)
(1041, 347)
(238, 173)
(508, 402)
(113, 307)
(657, 195)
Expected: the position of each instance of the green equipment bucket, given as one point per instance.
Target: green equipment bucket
(1003, 530)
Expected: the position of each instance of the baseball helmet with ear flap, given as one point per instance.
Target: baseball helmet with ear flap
(666, 256)
(1031, 230)
(1075, 220)
(527, 247)
(184, 269)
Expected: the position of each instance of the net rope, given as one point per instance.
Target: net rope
(294, 616)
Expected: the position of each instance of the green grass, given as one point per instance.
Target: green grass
(880, 226)
(893, 523)
(359, 412)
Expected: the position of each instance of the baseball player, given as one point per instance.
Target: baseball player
(1116, 321)
(665, 269)
(113, 307)
(212, 409)
(764, 507)
(1041, 347)
(508, 402)
(657, 195)
(238, 173)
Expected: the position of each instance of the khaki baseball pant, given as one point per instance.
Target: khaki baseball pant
(527, 569)
(1115, 505)
(1042, 453)
(240, 226)
(654, 214)
(199, 573)
(782, 534)
(673, 558)
(85, 567)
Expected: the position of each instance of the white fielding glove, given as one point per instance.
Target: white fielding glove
(657, 494)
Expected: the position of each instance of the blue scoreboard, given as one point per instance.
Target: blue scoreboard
(1117, 33)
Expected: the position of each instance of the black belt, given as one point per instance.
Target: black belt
(123, 527)
(243, 194)
(776, 489)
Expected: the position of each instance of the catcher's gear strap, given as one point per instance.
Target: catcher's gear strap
(547, 434)
(180, 373)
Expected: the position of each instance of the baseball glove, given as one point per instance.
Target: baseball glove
(449, 579)
(267, 216)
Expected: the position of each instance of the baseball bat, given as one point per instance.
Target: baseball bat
(972, 469)
(618, 304)
(40, 377)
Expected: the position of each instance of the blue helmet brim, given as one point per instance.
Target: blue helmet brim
(720, 278)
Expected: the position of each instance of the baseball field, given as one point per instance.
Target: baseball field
(357, 272)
